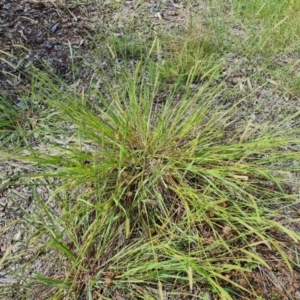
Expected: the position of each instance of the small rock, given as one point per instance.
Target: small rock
(7, 6)
(48, 45)
(154, 9)
(17, 246)
(104, 65)
(17, 236)
(54, 28)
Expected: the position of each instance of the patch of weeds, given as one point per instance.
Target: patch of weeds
(260, 9)
(276, 24)
(191, 50)
(12, 120)
(156, 198)
(8, 115)
(287, 76)
(116, 54)
(127, 47)
(255, 28)
(215, 18)
(24, 115)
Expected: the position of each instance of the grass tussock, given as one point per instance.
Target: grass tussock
(162, 193)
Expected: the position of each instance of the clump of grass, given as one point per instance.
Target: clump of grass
(160, 194)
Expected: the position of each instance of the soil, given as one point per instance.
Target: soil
(39, 32)
(43, 32)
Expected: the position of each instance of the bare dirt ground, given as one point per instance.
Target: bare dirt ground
(41, 32)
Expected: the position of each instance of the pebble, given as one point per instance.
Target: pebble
(154, 9)
(17, 246)
(7, 6)
(54, 28)
(17, 236)
(48, 45)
